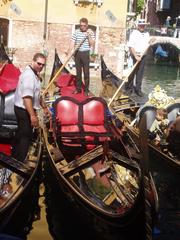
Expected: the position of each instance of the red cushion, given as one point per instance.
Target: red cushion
(9, 78)
(93, 113)
(94, 129)
(65, 79)
(69, 129)
(67, 112)
(5, 148)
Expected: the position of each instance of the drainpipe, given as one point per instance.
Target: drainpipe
(45, 20)
(45, 35)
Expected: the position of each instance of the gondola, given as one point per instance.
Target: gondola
(95, 162)
(16, 178)
(131, 109)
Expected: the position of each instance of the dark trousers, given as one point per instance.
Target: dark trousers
(82, 60)
(23, 134)
(139, 76)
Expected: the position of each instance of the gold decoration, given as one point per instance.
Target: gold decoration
(159, 98)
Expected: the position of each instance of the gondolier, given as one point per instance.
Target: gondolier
(26, 102)
(138, 43)
(82, 55)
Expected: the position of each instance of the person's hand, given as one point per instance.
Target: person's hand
(89, 33)
(34, 121)
(152, 40)
(47, 112)
(138, 58)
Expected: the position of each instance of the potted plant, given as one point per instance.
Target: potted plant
(93, 57)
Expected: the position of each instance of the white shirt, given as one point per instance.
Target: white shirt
(139, 41)
(28, 85)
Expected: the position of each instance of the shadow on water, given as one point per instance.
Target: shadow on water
(167, 181)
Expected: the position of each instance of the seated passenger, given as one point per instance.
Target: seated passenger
(173, 138)
(158, 130)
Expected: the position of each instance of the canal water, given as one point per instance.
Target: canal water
(57, 219)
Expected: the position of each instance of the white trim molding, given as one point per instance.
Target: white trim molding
(98, 2)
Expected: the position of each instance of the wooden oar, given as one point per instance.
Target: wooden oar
(61, 68)
(125, 80)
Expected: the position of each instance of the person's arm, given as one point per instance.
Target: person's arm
(91, 39)
(29, 107)
(133, 53)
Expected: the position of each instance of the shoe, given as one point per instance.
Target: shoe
(76, 91)
(129, 91)
(139, 93)
(86, 93)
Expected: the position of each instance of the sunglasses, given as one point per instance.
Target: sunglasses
(40, 64)
(83, 25)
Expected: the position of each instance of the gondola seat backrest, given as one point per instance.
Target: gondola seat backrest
(94, 117)
(8, 124)
(84, 120)
(150, 112)
(173, 110)
(65, 79)
(9, 114)
(67, 116)
(9, 77)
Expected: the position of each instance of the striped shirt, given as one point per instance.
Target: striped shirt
(78, 36)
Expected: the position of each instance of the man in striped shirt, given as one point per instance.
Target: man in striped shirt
(85, 39)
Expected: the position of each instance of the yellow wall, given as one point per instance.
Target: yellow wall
(65, 11)
(4, 8)
(26, 29)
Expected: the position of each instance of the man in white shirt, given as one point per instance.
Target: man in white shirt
(26, 102)
(138, 44)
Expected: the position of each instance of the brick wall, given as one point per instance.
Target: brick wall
(28, 39)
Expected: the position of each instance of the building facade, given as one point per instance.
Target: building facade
(32, 26)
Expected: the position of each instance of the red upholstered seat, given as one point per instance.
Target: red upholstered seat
(94, 117)
(65, 79)
(9, 77)
(81, 123)
(67, 116)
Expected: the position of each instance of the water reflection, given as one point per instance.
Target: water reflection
(167, 181)
(166, 178)
(167, 76)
